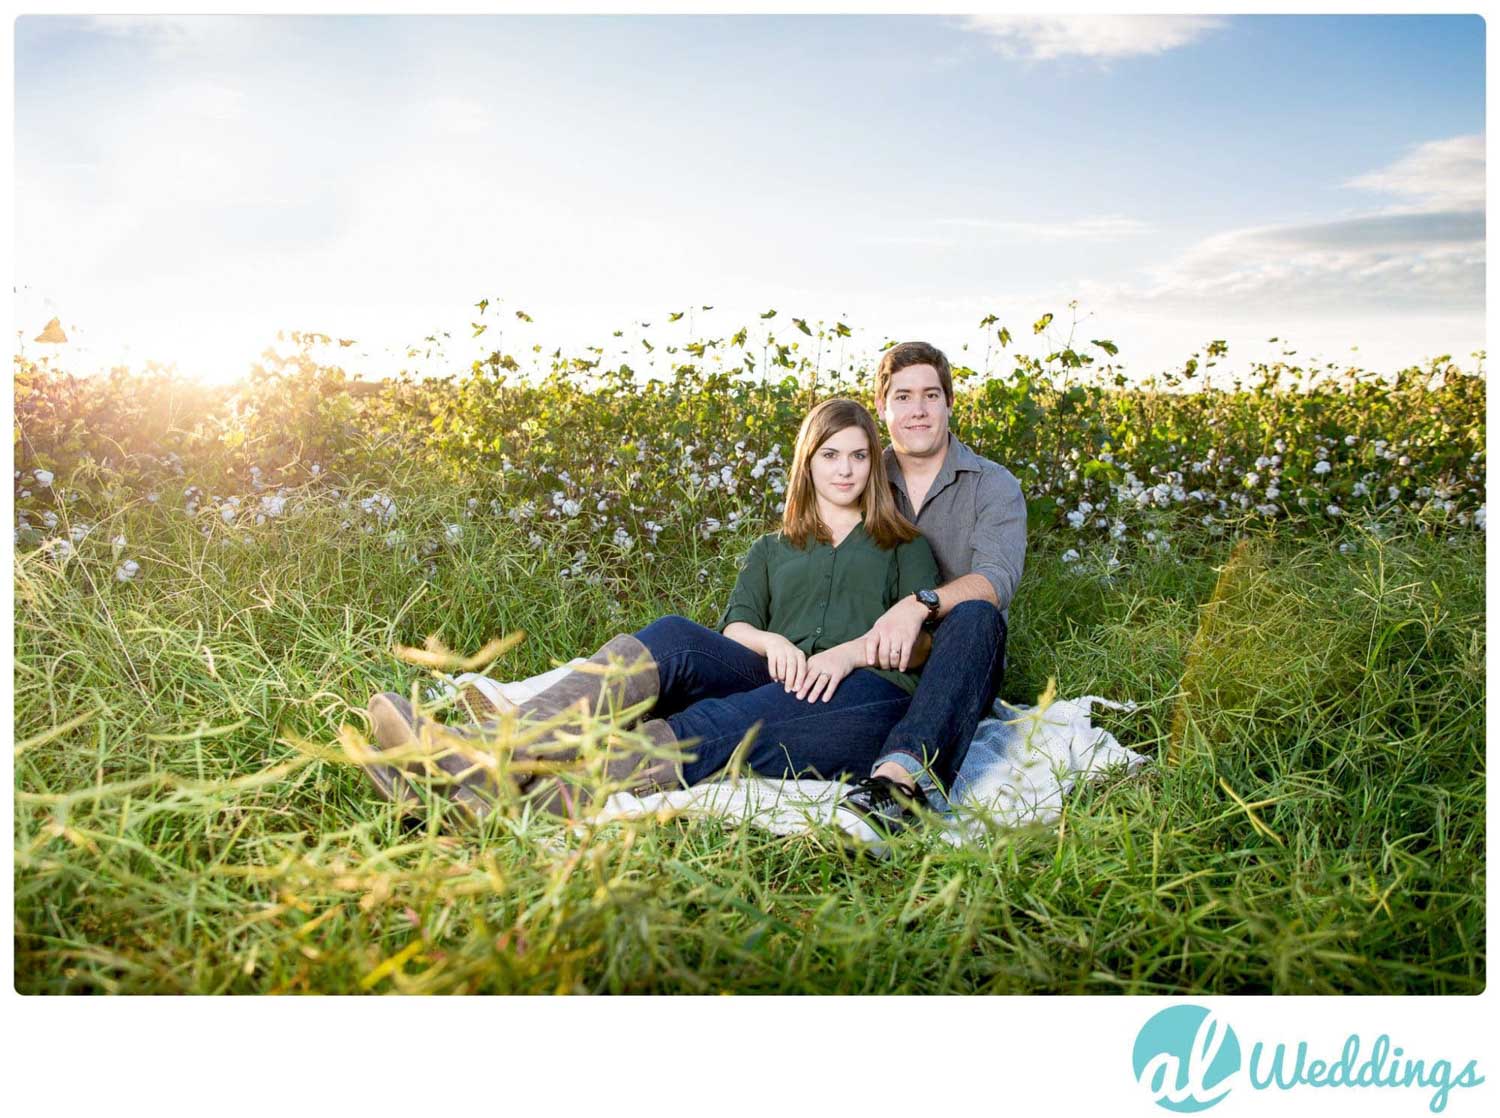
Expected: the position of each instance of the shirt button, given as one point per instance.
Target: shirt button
(817, 632)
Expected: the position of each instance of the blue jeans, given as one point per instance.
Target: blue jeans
(713, 690)
(958, 684)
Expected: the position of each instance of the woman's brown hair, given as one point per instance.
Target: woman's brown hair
(883, 521)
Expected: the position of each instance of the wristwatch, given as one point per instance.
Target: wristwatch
(930, 599)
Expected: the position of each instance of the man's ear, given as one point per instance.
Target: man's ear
(879, 407)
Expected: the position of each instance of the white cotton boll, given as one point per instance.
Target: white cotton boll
(453, 533)
(1070, 556)
(1479, 518)
(1252, 479)
(61, 548)
(1262, 462)
(602, 506)
(80, 532)
(534, 540)
(1392, 492)
(44, 478)
(1360, 489)
(1117, 529)
(1272, 492)
(227, 514)
(392, 539)
(472, 503)
(1347, 548)
(127, 570)
(1404, 460)
(1350, 440)
(1334, 510)
(622, 539)
(1076, 518)
(571, 507)
(1322, 467)
(1085, 507)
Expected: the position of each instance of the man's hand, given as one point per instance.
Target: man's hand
(825, 671)
(785, 661)
(890, 640)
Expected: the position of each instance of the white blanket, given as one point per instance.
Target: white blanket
(1023, 761)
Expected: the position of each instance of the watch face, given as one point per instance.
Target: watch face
(928, 598)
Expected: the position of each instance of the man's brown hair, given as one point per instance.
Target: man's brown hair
(883, 522)
(906, 354)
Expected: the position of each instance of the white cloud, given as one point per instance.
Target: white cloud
(1442, 174)
(1092, 36)
(1424, 255)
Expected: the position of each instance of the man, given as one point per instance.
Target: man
(973, 514)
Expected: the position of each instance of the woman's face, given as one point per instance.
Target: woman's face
(841, 467)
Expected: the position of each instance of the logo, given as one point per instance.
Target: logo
(1188, 1060)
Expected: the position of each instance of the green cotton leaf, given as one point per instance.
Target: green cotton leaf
(801, 324)
(1004, 337)
(523, 316)
(1040, 513)
(649, 347)
(1107, 346)
(739, 338)
(769, 314)
(479, 328)
(1042, 323)
(841, 330)
(675, 315)
(482, 304)
(987, 321)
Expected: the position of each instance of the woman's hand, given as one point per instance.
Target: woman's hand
(785, 661)
(825, 671)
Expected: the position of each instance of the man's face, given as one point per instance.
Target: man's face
(916, 411)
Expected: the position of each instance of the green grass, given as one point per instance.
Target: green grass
(1319, 829)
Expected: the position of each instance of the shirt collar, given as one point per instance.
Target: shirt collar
(959, 459)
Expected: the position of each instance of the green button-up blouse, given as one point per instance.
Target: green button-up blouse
(820, 596)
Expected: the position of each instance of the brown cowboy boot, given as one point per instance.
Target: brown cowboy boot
(455, 752)
(588, 690)
(626, 770)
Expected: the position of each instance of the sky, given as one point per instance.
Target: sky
(186, 187)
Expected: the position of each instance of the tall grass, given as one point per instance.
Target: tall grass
(187, 822)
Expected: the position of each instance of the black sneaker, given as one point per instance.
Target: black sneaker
(883, 803)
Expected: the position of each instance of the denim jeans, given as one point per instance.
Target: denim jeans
(714, 690)
(959, 682)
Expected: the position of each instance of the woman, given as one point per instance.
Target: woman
(788, 655)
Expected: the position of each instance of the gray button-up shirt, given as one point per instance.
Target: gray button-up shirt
(973, 516)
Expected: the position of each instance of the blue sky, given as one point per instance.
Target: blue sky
(188, 186)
